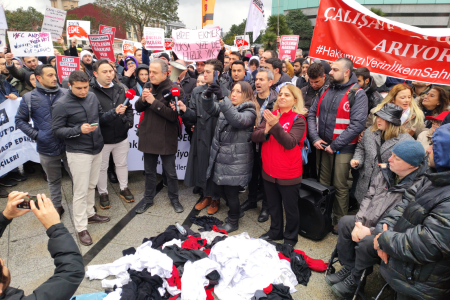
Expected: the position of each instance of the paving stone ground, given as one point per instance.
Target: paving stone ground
(27, 235)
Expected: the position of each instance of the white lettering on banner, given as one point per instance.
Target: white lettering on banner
(196, 45)
(16, 148)
(30, 43)
(428, 54)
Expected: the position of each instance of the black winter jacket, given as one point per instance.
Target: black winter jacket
(41, 114)
(231, 156)
(188, 84)
(373, 96)
(327, 117)
(70, 112)
(284, 78)
(309, 94)
(116, 131)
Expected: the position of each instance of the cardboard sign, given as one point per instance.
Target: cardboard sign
(242, 41)
(229, 49)
(2, 40)
(128, 48)
(167, 43)
(66, 65)
(289, 44)
(197, 45)
(78, 29)
(109, 31)
(3, 24)
(102, 46)
(54, 22)
(154, 38)
(30, 43)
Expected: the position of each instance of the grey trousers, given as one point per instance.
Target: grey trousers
(52, 167)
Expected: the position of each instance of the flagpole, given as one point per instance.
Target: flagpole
(278, 19)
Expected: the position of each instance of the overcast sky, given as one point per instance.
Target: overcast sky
(227, 12)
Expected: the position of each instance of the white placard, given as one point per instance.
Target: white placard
(78, 29)
(54, 22)
(16, 148)
(3, 24)
(154, 38)
(2, 40)
(30, 43)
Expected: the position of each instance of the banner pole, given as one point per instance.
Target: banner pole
(278, 19)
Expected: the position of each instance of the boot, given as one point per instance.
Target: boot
(214, 207)
(230, 226)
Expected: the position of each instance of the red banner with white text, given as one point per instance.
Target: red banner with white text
(344, 28)
(66, 65)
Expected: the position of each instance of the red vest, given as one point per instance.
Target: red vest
(279, 162)
(342, 116)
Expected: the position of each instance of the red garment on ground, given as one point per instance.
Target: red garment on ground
(207, 251)
(209, 295)
(317, 265)
(192, 243)
(215, 229)
(175, 280)
(269, 289)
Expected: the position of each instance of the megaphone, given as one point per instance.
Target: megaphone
(177, 69)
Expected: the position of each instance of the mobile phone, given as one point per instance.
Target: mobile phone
(93, 124)
(26, 203)
(323, 145)
(216, 77)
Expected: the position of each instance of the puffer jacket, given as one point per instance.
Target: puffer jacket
(418, 239)
(231, 155)
(41, 114)
(373, 96)
(323, 130)
(188, 84)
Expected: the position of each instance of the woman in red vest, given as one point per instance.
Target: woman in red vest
(282, 133)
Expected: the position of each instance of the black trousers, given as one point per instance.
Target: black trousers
(168, 163)
(279, 196)
(257, 181)
(231, 196)
(356, 256)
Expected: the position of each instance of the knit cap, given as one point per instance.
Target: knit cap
(410, 151)
(85, 52)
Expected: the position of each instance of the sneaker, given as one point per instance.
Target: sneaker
(16, 176)
(203, 203)
(7, 182)
(214, 207)
(242, 189)
(104, 201)
(144, 206)
(346, 288)
(337, 277)
(126, 195)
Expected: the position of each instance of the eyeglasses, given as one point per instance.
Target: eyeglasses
(130, 63)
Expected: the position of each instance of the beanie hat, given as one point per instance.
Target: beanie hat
(410, 151)
(85, 52)
(163, 54)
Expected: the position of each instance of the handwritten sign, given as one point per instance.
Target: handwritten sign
(3, 24)
(288, 47)
(2, 40)
(242, 41)
(197, 45)
(66, 65)
(54, 22)
(109, 31)
(102, 46)
(78, 29)
(154, 38)
(167, 43)
(30, 43)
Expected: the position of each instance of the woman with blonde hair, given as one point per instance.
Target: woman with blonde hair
(282, 134)
(376, 146)
(412, 119)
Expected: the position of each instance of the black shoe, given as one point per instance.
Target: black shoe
(337, 277)
(144, 206)
(60, 211)
(7, 182)
(334, 230)
(242, 189)
(112, 177)
(345, 288)
(240, 216)
(263, 216)
(3, 193)
(248, 205)
(16, 176)
(290, 242)
(228, 227)
(177, 206)
(28, 167)
(197, 190)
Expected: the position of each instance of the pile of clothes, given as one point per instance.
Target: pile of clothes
(192, 266)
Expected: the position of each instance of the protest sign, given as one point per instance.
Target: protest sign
(16, 148)
(3, 24)
(242, 41)
(128, 48)
(197, 45)
(344, 28)
(154, 38)
(2, 40)
(288, 47)
(167, 43)
(78, 29)
(109, 31)
(102, 46)
(30, 43)
(135, 158)
(54, 22)
(229, 49)
(66, 65)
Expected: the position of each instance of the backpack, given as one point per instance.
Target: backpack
(306, 147)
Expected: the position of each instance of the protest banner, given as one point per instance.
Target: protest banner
(78, 29)
(2, 40)
(288, 47)
(3, 24)
(242, 41)
(344, 28)
(154, 38)
(256, 19)
(197, 45)
(167, 43)
(208, 12)
(30, 43)
(128, 48)
(229, 49)
(66, 65)
(109, 31)
(102, 46)
(16, 148)
(54, 22)
(135, 158)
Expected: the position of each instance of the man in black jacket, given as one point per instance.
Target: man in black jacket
(75, 119)
(367, 83)
(29, 64)
(238, 73)
(115, 134)
(276, 65)
(69, 270)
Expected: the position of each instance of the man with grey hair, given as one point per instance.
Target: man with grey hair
(159, 132)
(335, 120)
(299, 53)
(266, 98)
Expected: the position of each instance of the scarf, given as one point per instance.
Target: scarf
(47, 90)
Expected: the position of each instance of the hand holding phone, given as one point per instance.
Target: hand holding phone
(93, 124)
(26, 203)
(14, 199)
(216, 77)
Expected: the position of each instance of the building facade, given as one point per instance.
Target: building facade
(419, 13)
(64, 4)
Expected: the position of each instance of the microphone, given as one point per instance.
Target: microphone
(148, 85)
(167, 95)
(176, 93)
(130, 95)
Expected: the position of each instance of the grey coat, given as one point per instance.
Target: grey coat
(366, 154)
(231, 158)
(202, 137)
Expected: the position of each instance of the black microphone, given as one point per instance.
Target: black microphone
(167, 95)
(148, 85)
